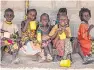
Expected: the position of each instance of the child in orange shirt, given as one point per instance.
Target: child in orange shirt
(83, 34)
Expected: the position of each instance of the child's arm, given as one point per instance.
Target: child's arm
(2, 31)
(90, 27)
(2, 36)
(68, 32)
(54, 36)
(56, 31)
(25, 25)
(22, 25)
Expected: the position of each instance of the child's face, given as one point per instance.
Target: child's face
(44, 20)
(9, 16)
(31, 15)
(61, 14)
(63, 20)
(86, 16)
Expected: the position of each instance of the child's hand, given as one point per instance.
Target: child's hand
(28, 21)
(45, 37)
(26, 25)
(92, 38)
(2, 31)
(4, 39)
(61, 28)
(91, 26)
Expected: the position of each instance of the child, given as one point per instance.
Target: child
(62, 11)
(62, 34)
(45, 29)
(83, 33)
(10, 34)
(29, 42)
(25, 25)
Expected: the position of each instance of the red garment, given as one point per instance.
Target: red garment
(59, 45)
(84, 39)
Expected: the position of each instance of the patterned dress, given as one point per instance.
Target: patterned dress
(29, 42)
(11, 43)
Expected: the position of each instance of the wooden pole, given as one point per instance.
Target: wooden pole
(26, 7)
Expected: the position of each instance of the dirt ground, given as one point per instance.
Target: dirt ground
(28, 62)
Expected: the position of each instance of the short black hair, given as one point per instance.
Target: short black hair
(63, 10)
(44, 14)
(9, 10)
(29, 10)
(82, 11)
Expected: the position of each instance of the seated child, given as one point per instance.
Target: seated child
(29, 41)
(62, 33)
(83, 34)
(45, 28)
(61, 12)
(10, 37)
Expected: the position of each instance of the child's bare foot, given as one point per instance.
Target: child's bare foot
(49, 57)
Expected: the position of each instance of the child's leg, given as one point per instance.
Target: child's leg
(79, 50)
(68, 48)
(76, 48)
(41, 54)
(14, 57)
(46, 51)
(2, 52)
(60, 47)
(50, 49)
(80, 53)
(49, 54)
(9, 49)
(14, 54)
(74, 45)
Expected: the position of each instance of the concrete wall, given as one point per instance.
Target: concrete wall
(51, 7)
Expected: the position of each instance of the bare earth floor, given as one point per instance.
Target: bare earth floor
(28, 63)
